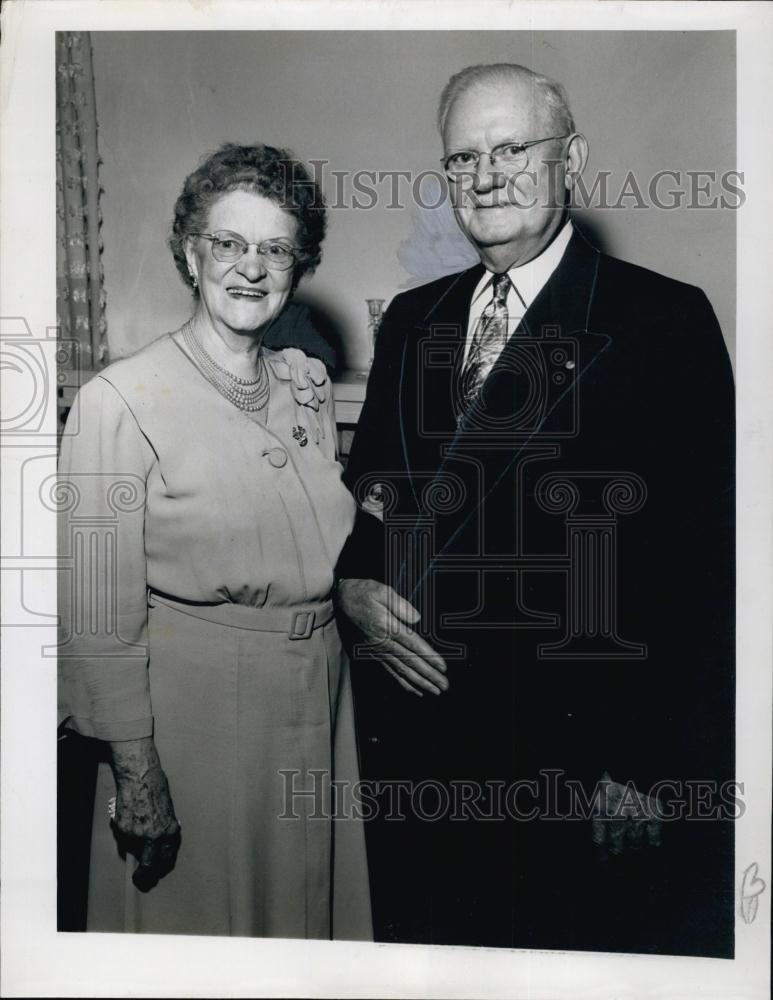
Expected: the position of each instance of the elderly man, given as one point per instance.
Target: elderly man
(544, 554)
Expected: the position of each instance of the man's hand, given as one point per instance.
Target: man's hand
(143, 810)
(385, 619)
(625, 820)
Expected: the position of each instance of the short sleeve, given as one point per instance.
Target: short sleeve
(103, 660)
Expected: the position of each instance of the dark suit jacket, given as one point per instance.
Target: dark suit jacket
(570, 546)
(606, 422)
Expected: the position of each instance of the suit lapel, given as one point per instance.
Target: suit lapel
(533, 390)
(432, 356)
(524, 387)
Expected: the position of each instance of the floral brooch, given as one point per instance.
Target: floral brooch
(309, 384)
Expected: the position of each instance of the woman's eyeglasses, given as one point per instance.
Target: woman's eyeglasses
(228, 247)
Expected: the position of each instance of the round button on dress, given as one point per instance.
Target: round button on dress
(277, 457)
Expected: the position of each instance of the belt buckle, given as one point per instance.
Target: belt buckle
(303, 625)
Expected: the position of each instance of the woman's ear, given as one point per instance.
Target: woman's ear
(191, 259)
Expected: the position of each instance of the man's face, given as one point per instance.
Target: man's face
(510, 219)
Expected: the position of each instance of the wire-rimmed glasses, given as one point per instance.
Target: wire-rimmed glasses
(229, 247)
(510, 156)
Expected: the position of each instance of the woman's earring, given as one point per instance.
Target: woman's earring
(194, 281)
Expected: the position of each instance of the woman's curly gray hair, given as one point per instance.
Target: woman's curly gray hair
(265, 170)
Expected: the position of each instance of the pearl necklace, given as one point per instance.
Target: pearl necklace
(246, 394)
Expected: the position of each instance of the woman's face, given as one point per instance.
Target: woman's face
(242, 296)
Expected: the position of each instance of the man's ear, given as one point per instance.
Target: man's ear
(576, 158)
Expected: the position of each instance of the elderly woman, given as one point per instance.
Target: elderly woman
(207, 465)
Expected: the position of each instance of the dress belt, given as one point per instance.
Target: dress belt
(296, 623)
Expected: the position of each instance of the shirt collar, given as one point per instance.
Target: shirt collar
(529, 278)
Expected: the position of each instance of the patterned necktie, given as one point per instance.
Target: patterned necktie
(488, 340)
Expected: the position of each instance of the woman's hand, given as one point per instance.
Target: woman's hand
(143, 809)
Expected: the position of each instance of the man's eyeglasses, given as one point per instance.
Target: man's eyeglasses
(228, 247)
(511, 157)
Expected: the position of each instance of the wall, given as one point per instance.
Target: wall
(366, 101)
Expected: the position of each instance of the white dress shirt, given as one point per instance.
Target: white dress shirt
(528, 279)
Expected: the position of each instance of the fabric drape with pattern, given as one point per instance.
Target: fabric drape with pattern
(79, 288)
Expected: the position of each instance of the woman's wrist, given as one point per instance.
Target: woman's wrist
(134, 759)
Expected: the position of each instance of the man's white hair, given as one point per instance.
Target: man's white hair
(552, 94)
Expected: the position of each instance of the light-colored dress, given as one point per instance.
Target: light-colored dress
(197, 551)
